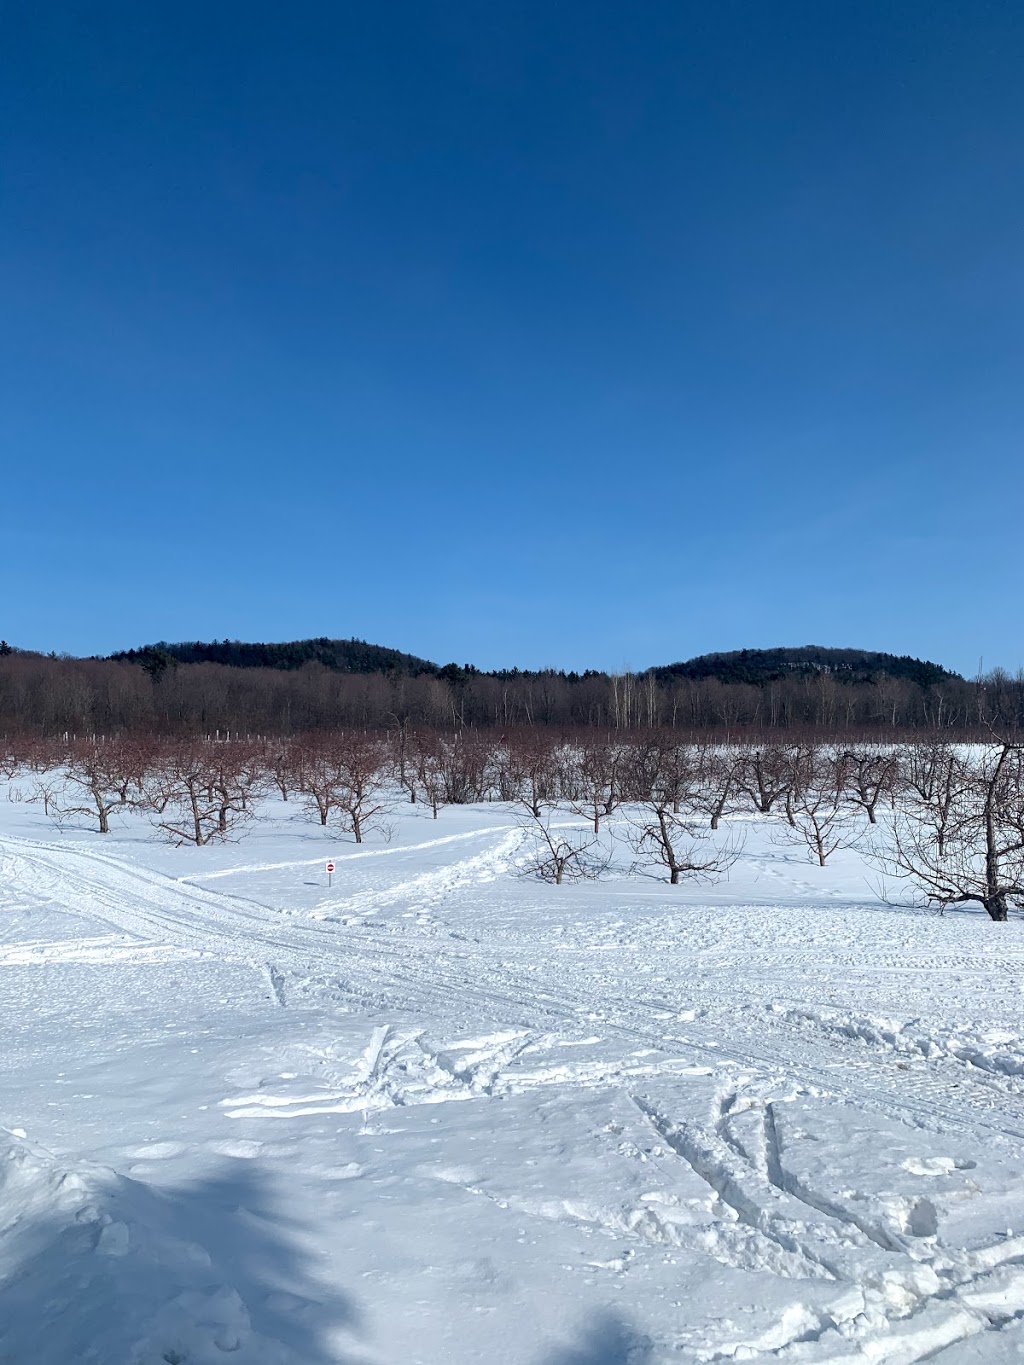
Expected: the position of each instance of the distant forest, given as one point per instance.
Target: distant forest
(307, 685)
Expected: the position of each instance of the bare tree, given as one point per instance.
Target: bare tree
(319, 775)
(404, 757)
(658, 767)
(765, 774)
(103, 773)
(974, 852)
(465, 763)
(188, 792)
(282, 767)
(869, 774)
(676, 775)
(800, 762)
(596, 777)
(237, 778)
(46, 792)
(817, 805)
(527, 772)
(425, 771)
(562, 855)
(362, 797)
(932, 778)
(717, 781)
(678, 844)
(11, 758)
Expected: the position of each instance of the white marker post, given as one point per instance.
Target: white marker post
(330, 872)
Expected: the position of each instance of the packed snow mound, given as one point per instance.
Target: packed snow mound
(108, 1259)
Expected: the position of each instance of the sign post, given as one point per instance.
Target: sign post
(330, 872)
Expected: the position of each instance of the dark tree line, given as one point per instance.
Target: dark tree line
(52, 696)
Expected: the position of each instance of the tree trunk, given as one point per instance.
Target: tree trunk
(996, 906)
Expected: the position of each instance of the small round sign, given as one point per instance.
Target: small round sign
(330, 867)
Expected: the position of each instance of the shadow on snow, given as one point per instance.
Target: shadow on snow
(96, 1266)
(605, 1340)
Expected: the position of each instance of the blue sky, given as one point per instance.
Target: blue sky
(572, 334)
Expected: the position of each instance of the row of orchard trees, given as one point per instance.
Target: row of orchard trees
(948, 818)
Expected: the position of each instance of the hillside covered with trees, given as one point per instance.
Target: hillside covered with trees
(752, 666)
(301, 686)
(759, 666)
(341, 656)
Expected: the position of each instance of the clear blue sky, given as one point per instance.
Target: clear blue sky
(582, 333)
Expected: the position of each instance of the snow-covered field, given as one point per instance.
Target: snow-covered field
(444, 1113)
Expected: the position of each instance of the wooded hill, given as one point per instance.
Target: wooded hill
(315, 685)
(341, 656)
(754, 667)
(760, 666)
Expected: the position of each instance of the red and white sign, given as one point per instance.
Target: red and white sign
(330, 868)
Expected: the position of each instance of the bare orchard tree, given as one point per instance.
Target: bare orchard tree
(974, 852)
(238, 777)
(932, 777)
(403, 757)
(800, 760)
(659, 768)
(11, 758)
(817, 806)
(319, 775)
(281, 764)
(191, 799)
(46, 791)
(764, 773)
(44, 754)
(363, 763)
(677, 775)
(678, 844)
(596, 780)
(561, 853)
(527, 771)
(102, 776)
(717, 782)
(421, 773)
(870, 774)
(466, 763)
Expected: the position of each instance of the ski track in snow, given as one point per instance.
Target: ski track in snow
(571, 1024)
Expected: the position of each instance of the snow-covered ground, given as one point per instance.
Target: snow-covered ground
(445, 1113)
